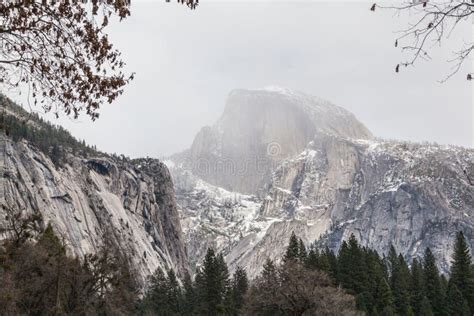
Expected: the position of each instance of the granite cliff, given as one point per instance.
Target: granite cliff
(322, 175)
(92, 197)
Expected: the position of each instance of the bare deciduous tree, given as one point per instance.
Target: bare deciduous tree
(59, 50)
(435, 20)
(292, 289)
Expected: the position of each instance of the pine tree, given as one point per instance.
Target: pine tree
(312, 261)
(344, 266)
(207, 287)
(269, 272)
(400, 279)
(416, 286)
(223, 286)
(425, 307)
(302, 253)
(329, 264)
(240, 286)
(359, 273)
(174, 293)
(455, 302)
(188, 299)
(384, 295)
(432, 282)
(375, 270)
(292, 252)
(56, 155)
(213, 286)
(461, 274)
(157, 297)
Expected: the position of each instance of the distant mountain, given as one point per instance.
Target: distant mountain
(321, 174)
(258, 130)
(89, 196)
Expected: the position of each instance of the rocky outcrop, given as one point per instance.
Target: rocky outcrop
(258, 130)
(410, 195)
(332, 180)
(88, 200)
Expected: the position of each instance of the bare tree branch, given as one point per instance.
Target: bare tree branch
(59, 50)
(435, 21)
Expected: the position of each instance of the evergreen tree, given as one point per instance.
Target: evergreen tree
(302, 253)
(213, 286)
(269, 272)
(416, 286)
(206, 285)
(344, 266)
(425, 307)
(400, 282)
(353, 273)
(157, 297)
(312, 261)
(375, 270)
(240, 286)
(223, 286)
(293, 250)
(56, 155)
(432, 282)
(329, 263)
(461, 274)
(174, 293)
(455, 302)
(384, 296)
(188, 299)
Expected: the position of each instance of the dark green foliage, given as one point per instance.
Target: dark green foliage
(214, 296)
(163, 296)
(54, 141)
(329, 259)
(240, 286)
(455, 302)
(416, 286)
(312, 261)
(425, 308)
(188, 299)
(353, 273)
(401, 289)
(39, 278)
(293, 250)
(432, 283)
(384, 296)
(389, 287)
(461, 273)
(302, 253)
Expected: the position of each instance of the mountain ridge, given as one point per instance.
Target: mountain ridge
(335, 185)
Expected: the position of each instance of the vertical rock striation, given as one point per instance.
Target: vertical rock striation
(131, 204)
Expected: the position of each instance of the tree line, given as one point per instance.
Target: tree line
(355, 281)
(39, 277)
(52, 140)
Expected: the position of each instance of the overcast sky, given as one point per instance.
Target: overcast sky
(186, 63)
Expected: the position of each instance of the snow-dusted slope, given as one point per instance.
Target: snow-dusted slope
(330, 179)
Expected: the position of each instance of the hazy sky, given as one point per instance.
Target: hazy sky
(186, 62)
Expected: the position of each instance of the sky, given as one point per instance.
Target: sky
(186, 63)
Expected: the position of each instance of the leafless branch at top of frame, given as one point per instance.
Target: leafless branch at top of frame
(434, 21)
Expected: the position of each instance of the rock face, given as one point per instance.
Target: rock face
(131, 203)
(257, 131)
(328, 179)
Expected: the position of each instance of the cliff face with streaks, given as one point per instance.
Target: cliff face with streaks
(92, 198)
(326, 178)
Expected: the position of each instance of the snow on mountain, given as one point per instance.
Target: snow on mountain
(320, 173)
